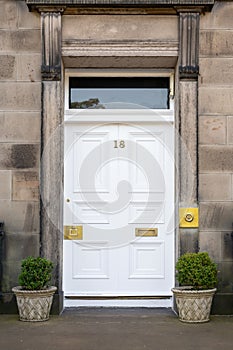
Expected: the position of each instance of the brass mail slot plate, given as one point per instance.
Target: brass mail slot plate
(73, 232)
(146, 232)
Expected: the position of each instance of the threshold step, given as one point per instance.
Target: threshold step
(150, 302)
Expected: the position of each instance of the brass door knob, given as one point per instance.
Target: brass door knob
(189, 217)
(68, 200)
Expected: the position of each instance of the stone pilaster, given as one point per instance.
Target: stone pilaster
(52, 146)
(188, 121)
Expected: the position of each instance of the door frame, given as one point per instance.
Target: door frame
(168, 113)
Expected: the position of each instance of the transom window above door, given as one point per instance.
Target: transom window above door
(119, 92)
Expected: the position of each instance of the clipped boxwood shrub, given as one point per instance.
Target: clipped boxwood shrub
(196, 270)
(36, 273)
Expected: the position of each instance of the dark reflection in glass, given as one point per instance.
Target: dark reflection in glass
(119, 93)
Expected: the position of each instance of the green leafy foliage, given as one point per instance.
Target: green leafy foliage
(196, 270)
(36, 273)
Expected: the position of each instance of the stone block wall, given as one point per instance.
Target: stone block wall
(216, 142)
(20, 125)
(20, 118)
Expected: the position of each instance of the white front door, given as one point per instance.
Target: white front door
(119, 186)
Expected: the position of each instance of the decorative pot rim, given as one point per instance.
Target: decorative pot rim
(20, 290)
(190, 290)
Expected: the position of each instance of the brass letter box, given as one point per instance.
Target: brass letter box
(146, 232)
(73, 232)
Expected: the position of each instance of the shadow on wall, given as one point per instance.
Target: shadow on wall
(1, 251)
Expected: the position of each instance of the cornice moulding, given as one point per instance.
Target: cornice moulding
(121, 5)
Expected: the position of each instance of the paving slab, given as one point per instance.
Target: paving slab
(115, 329)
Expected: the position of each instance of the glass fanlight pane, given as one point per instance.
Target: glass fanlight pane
(125, 93)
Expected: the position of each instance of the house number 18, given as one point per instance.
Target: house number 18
(119, 144)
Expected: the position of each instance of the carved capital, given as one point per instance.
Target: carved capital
(51, 45)
(50, 9)
(189, 45)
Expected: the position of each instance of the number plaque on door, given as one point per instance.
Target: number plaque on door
(119, 144)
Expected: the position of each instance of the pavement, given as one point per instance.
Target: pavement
(115, 329)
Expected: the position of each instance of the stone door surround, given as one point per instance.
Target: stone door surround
(52, 109)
